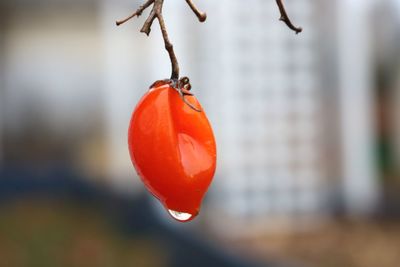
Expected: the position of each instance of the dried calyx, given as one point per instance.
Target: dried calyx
(182, 86)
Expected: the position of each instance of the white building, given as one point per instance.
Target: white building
(292, 114)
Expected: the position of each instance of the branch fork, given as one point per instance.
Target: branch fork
(182, 85)
(156, 13)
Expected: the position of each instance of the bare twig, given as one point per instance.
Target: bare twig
(200, 15)
(156, 12)
(285, 18)
(137, 13)
(150, 19)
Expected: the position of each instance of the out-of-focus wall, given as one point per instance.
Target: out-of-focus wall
(356, 106)
(268, 115)
(51, 84)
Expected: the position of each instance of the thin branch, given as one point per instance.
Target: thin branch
(202, 16)
(183, 85)
(156, 12)
(149, 21)
(137, 13)
(285, 18)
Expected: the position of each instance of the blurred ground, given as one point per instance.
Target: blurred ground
(38, 232)
(63, 234)
(340, 243)
(47, 222)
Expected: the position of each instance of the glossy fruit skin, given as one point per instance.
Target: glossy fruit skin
(172, 148)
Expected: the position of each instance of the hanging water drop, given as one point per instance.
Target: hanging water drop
(181, 216)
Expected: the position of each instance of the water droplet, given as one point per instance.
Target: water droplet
(180, 216)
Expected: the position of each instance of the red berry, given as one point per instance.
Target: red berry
(173, 149)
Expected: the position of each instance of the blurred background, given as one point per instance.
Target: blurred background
(307, 126)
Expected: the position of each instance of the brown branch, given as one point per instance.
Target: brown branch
(137, 13)
(200, 15)
(156, 12)
(149, 21)
(285, 18)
